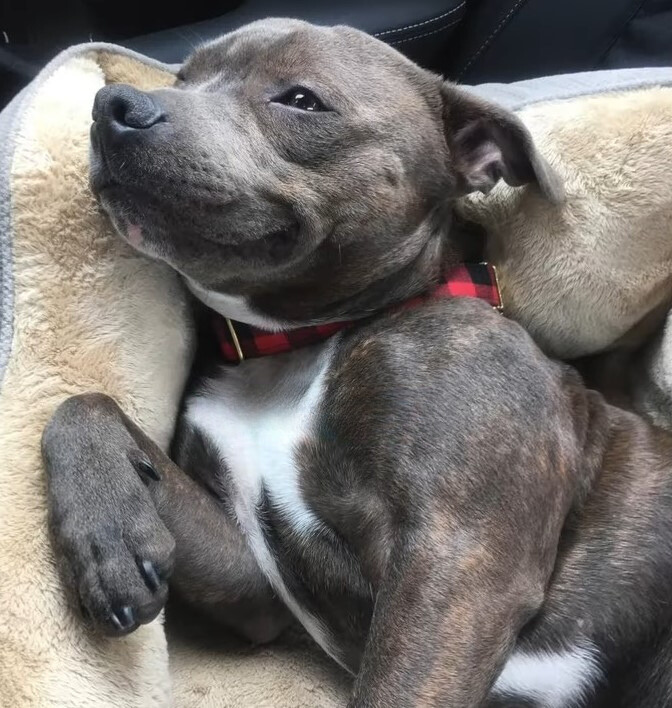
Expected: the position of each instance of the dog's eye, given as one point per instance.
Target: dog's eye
(302, 99)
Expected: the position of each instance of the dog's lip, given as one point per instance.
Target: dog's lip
(100, 177)
(257, 245)
(247, 242)
(121, 202)
(101, 183)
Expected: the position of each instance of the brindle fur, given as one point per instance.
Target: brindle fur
(475, 489)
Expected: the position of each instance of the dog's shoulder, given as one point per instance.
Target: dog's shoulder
(446, 371)
(449, 345)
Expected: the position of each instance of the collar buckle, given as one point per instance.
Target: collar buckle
(235, 340)
(499, 307)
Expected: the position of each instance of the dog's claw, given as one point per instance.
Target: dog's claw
(147, 469)
(151, 576)
(123, 619)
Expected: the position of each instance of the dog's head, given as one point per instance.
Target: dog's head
(300, 167)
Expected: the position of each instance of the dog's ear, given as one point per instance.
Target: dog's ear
(488, 142)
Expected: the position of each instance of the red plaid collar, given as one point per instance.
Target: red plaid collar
(239, 341)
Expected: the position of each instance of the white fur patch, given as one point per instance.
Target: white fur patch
(235, 308)
(554, 679)
(256, 415)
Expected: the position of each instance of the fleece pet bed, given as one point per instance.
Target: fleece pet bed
(80, 311)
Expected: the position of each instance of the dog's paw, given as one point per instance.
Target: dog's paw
(116, 553)
(117, 559)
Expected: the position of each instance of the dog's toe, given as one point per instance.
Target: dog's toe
(148, 472)
(120, 568)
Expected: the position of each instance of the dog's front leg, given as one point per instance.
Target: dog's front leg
(445, 620)
(124, 518)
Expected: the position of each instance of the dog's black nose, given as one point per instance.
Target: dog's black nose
(123, 107)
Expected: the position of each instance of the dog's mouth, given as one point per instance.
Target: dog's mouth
(102, 181)
(100, 176)
(147, 228)
(274, 247)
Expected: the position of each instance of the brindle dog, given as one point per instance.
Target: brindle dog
(455, 518)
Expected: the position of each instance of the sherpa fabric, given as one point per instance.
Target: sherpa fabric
(87, 313)
(81, 312)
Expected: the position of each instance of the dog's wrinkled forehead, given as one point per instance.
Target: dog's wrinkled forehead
(340, 61)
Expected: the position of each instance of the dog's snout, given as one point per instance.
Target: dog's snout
(124, 108)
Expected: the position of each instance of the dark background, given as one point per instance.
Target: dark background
(468, 40)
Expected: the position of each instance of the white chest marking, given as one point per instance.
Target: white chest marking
(256, 415)
(555, 680)
(236, 308)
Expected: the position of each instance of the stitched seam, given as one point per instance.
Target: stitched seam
(426, 34)
(494, 33)
(421, 24)
(619, 34)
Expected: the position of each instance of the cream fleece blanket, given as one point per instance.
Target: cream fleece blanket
(81, 312)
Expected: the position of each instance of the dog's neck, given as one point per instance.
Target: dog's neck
(238, 308)
(456, 241)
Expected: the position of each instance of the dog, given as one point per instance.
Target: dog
(453, 516)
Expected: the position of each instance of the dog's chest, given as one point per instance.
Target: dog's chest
(258, 415)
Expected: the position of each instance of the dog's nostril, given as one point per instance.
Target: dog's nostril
(138, 114)
(126, 107)
(118, 111)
